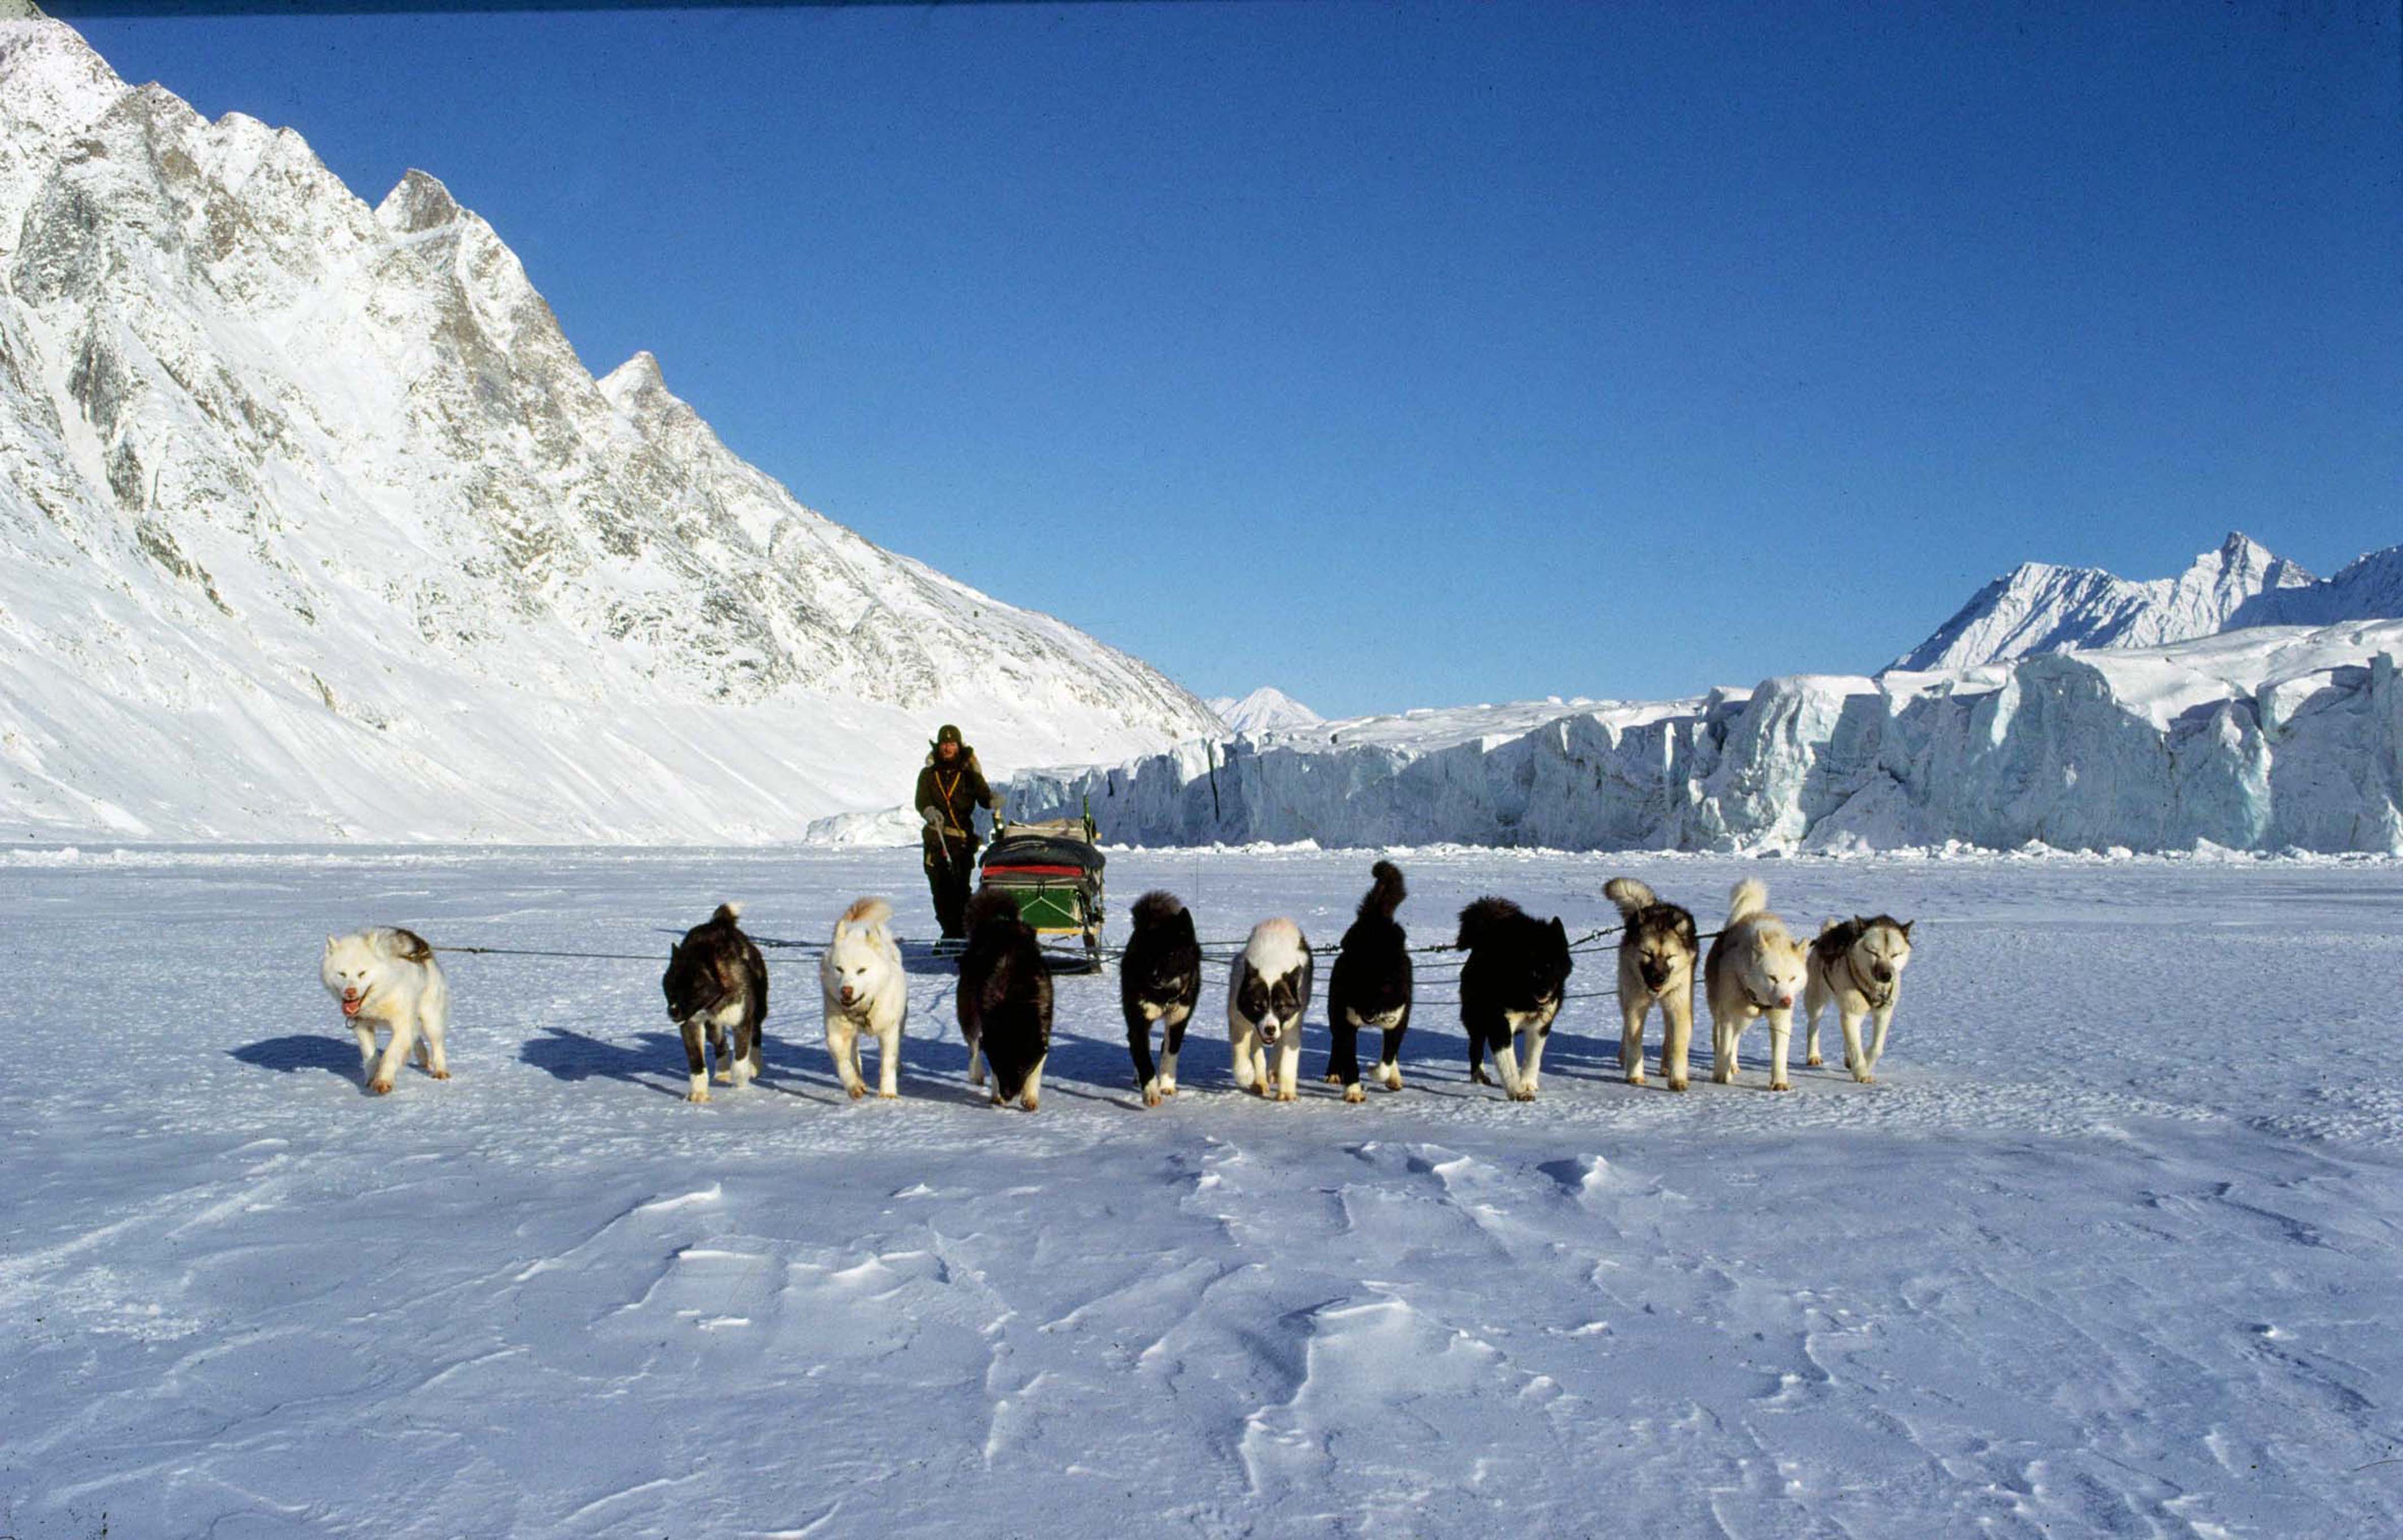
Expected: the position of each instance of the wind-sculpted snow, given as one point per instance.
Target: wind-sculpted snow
(2110, 1249)
(314, 526)
(2263, 739)
(2038, 607)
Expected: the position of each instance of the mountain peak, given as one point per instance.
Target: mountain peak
(418, 202)
(1267, 709)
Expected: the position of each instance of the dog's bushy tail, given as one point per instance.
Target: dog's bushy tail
(1630, 896)
(1157, 908)
(988, 905)
(727, 913)
(1479, 919)
(867, 912)
(1745, 899)
(1385, 892)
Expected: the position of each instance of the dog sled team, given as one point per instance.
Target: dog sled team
(1512, 982)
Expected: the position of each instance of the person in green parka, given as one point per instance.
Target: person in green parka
(950, 790)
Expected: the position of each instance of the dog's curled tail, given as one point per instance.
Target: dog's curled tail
(728, 913)
(1745, 899)
(1629, 894)
(1386, 891)
(1477, 921)
(868, 911)
(1157, 908)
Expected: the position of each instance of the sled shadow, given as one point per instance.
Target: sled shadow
(311, 1051)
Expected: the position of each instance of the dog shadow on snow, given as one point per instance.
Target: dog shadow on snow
(305, 1050)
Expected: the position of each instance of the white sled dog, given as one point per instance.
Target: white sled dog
(1268, 990)
(865, 990)
(1657, 952)
(1754, 968)
(1857, 965)
(389, 978)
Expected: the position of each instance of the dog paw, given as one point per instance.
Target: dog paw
(1635, 1077)
(1355, 1092)
(1522, 1094)
(1030, 1101)
(380, 1086)
(1168, 1087)
(1865, 1077)
(696, 1097)
(1282, 1096)
(1815, 1062)
(1151, 1096)
(888, 1096)
(1723, 1077)
(724, 1077)
(1676, 1084)
(439, 1075)
(1781, 1085)
(1333, 1078)
(855, 1092)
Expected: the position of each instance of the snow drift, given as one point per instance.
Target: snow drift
(315, 527)
(2268, 738)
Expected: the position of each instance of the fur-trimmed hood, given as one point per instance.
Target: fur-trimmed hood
(968, 757)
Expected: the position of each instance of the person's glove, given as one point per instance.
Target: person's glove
(933, 815)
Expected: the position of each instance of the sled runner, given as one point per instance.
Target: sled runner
(1054, 870)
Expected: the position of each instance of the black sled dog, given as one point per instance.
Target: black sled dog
(716, 979)
(1511, 988)
(1005, 1000)
(1159, 980)
(1370, 987)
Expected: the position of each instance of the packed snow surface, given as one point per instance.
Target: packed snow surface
(2268, 737)
(2110, 1249)
(314, 526)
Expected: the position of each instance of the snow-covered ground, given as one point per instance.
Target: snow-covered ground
(2111, 1249)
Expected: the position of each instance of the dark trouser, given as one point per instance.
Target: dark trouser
(950, 871)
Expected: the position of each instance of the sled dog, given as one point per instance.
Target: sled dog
(1857, 965)
(1370, 985)
(1754, 968)
(1159, 980)
(1656, 953)
(716, 979)
(1510, 987)
(864, 991)
(1268, 990)
(1005, 1000)
(389, 978)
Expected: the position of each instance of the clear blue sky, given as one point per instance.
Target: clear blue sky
(1418, 354)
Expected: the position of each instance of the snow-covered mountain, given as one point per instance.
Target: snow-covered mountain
(1266, 710)
(313, 524)
(2264, 738)
(2038, 607)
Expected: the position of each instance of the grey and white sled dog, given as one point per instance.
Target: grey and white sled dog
(1159, 981)
(388, 977)
(1369, 986)
(1857, 965)
(1005, 1000)
(1754, 969)
(715, 980)
(1656, 953)
(1511, 987)
(867, 992)
(1267, 992)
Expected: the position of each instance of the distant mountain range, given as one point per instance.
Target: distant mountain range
(2037, 607)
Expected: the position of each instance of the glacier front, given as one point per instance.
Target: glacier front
(2265, 739)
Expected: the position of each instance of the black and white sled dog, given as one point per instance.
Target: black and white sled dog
(865, 992)
(1754, 969)
(1657, 952)
(1858, 966)
(716, 981)
(1511, 988)
(1005, 1000)
(1267, 992)
(389, 978)
(1370, 985)
(1159, 980)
